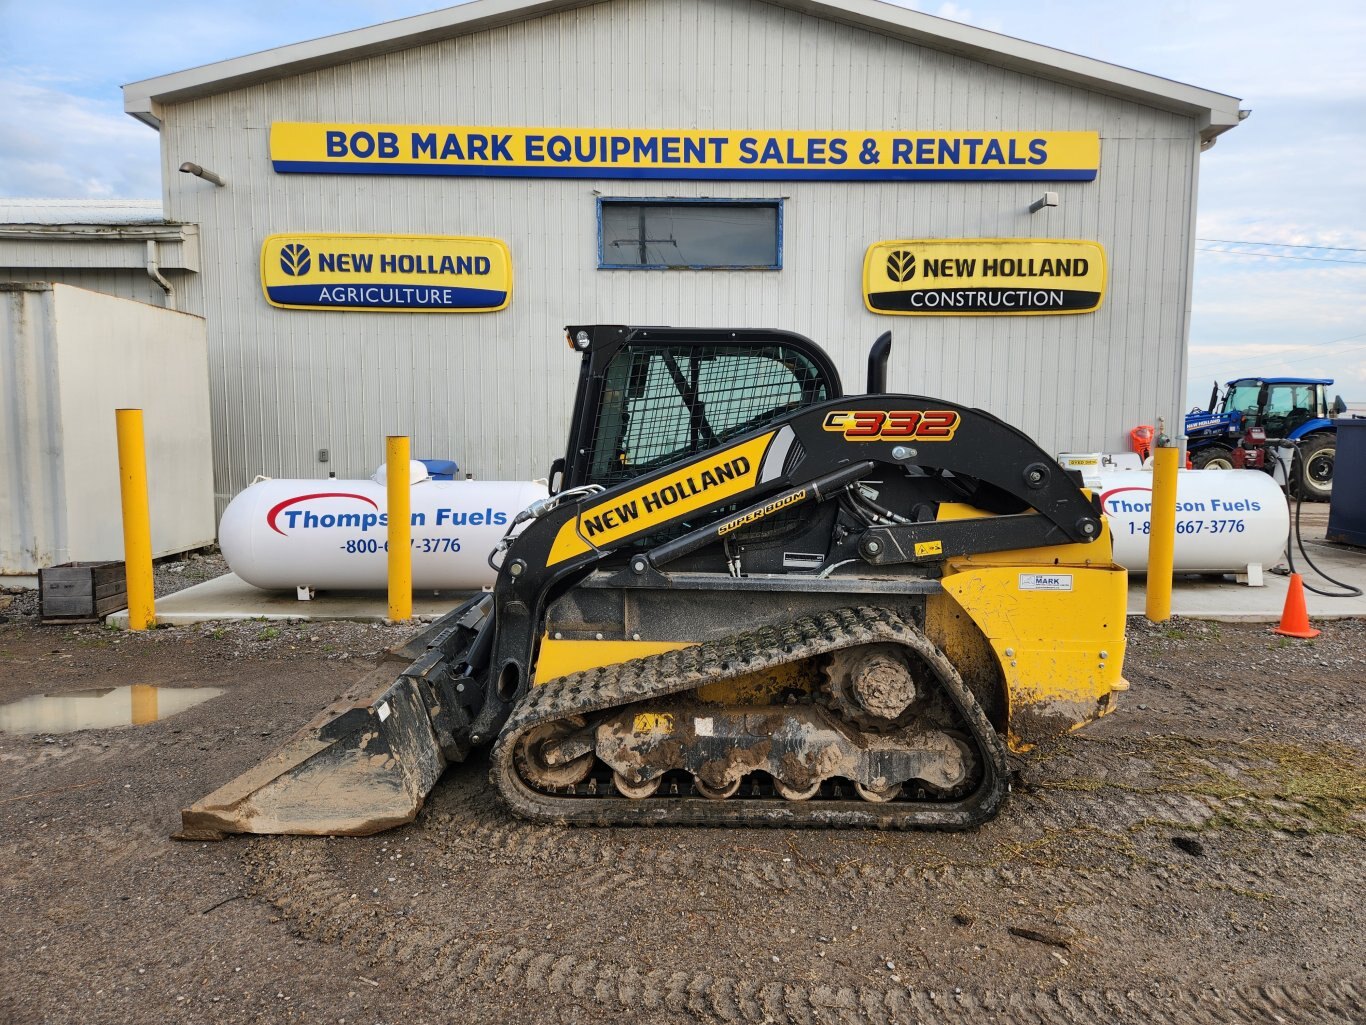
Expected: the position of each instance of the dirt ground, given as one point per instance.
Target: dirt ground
(1195, 857)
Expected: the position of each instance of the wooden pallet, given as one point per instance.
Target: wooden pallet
(82, 592)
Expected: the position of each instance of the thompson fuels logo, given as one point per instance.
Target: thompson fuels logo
(295, 259)
(307, 518)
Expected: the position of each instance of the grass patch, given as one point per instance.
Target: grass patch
(1326, 785)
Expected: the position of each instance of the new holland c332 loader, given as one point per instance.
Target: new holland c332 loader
(751, 599)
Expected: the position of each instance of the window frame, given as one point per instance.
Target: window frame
(778, 204)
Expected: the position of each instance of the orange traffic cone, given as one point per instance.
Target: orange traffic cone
(1295, 617)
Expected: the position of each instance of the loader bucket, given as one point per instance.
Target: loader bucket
(363, 765)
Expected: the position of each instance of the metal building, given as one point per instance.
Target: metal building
(297, 138)
(121, 247)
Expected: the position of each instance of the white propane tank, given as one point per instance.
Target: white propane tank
(1227, 521)
(332, 534)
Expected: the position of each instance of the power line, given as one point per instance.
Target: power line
(1307, 359)
(1279, 245)
(1281, 256)
(1292, 348)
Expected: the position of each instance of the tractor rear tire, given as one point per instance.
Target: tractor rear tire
(1312, 471)
(1212, 457)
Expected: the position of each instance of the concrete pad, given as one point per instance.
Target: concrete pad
(1221, 598)
(229, 597)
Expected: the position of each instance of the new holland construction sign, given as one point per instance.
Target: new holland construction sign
(983, 277)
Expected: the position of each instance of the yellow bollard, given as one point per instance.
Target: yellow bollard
(1162, 534)
(137, 522)
(400, 504)
(144, 703)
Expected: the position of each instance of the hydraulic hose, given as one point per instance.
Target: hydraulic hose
(1348, 590)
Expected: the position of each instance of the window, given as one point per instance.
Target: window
(1243, 398)
(658, 234)
(662, 403)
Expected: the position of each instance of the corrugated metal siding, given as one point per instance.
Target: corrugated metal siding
(494, 391)
(94, 252)
(126, 284)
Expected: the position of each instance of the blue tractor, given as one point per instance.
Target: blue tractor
(1252, 412)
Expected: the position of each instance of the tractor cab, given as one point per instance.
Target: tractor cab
(1280, 405)
(1252, 411)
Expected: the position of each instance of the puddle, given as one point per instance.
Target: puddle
(100, 709)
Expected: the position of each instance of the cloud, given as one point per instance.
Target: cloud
(58, 144)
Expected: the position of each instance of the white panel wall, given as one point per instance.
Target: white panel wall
(494, 391)
(68, 359)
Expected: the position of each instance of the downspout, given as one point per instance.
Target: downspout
(154, 272)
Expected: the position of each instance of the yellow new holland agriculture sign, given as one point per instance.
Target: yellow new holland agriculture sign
(501, 151)
(983, 277)
(409, 273)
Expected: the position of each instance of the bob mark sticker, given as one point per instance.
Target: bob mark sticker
(407, 273)
(501, 151)
(983, 277)
(1045, 581)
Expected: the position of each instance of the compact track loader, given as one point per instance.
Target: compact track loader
(750, 599)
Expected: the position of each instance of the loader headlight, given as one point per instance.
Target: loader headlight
(582, 341)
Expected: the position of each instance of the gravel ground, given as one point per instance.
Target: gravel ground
(1196, 856)
(168, 576)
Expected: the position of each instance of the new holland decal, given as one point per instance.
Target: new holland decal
(408, 273)
(502, 151)
(711, 479)
(983, 277)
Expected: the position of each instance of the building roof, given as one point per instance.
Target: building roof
(1214, 112)
(80, 211)
(89, 233)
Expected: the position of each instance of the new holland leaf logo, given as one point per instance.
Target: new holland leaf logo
(901, 265)
(295, 259)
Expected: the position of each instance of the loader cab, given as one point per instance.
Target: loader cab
(649, 396)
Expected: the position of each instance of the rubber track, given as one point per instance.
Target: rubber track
(672, 672)
(301, 886)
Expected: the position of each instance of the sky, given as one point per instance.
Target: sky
(1280, 269)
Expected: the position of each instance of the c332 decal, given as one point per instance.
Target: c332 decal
(893, 424)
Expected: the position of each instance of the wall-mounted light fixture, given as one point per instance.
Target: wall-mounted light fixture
(1047, 199)
(199, 172)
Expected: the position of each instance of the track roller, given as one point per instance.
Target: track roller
(712, 793)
